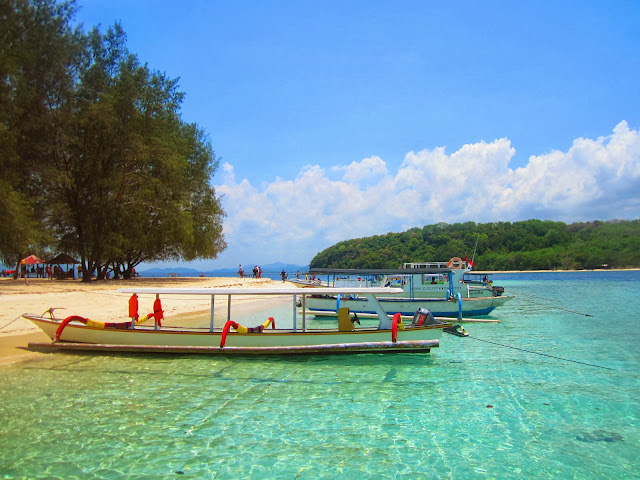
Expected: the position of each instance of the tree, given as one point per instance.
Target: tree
(96, 159)
(36, 47)
(132, 179)
(530, 244)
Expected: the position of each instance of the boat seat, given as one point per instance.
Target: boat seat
(345, 324)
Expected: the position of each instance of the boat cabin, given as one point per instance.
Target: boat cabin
(418, 280)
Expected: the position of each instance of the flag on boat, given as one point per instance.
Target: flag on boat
(468, 262)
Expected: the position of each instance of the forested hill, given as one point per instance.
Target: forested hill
(526, 245)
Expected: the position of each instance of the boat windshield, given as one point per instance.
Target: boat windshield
(368, 281)
(477, 278)
(435, 278)
(360, 281)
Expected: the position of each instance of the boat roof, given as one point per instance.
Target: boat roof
(377, 271)
(263, 291)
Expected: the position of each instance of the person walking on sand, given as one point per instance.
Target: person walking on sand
(240, 271)
(283, 274)
(259, 272)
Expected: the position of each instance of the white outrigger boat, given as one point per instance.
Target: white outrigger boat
(390, 335)
(447, 289)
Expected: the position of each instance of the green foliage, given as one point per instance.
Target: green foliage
(94, 139)
(36, 47)
(526, 245)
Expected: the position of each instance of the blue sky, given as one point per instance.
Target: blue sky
(336, 120)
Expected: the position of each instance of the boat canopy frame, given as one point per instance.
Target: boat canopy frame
(369, 293)
(409, 272)
(377, 271)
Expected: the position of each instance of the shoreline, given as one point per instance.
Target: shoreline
(494, 272)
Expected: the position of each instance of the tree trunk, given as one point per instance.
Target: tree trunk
(16, 274)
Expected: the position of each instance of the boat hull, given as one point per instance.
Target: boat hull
(412, 346)
(471, 307)
(269, 340)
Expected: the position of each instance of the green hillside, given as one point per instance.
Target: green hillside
(526, 245)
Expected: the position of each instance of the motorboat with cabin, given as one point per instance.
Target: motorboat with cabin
(447, 289)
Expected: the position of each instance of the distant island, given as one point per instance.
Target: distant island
(499, 246)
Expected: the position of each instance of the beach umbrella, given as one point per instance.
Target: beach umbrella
(31, 260)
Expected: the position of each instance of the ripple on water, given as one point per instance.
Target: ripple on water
(362, 416)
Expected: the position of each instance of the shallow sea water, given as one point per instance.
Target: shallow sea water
(469, 409)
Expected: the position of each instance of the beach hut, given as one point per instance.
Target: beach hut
(64, 259)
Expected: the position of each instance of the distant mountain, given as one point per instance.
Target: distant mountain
(166, 272)
(272, 269)
(277, 267)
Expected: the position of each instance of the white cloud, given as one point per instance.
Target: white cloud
(368, 169)
(291, 220)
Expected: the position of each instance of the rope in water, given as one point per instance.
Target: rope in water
(553, 300)
(538, 353)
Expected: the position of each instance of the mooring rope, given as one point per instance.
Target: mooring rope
(553, 300)
(538, 353)
(6, 325)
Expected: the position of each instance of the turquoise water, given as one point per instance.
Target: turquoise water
(470, 409)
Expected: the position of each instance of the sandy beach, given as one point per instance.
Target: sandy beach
(102, 301)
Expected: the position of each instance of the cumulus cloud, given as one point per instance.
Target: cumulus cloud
(292, 219)
(368, 169)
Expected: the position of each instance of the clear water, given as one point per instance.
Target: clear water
(470, 409)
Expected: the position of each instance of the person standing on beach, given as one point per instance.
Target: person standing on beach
(283, 274)
(240, 271)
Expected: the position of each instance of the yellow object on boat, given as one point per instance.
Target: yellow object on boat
(98, 324)
(345, 324)
(94, 324)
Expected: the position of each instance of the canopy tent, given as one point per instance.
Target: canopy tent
(62, 259)
(31, 260)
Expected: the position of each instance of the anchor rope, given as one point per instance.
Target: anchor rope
(553, 300)
(7, 324)
(539, 353)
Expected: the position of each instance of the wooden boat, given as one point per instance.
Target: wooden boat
(390, 335)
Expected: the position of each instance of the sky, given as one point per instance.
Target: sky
(334, 120)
